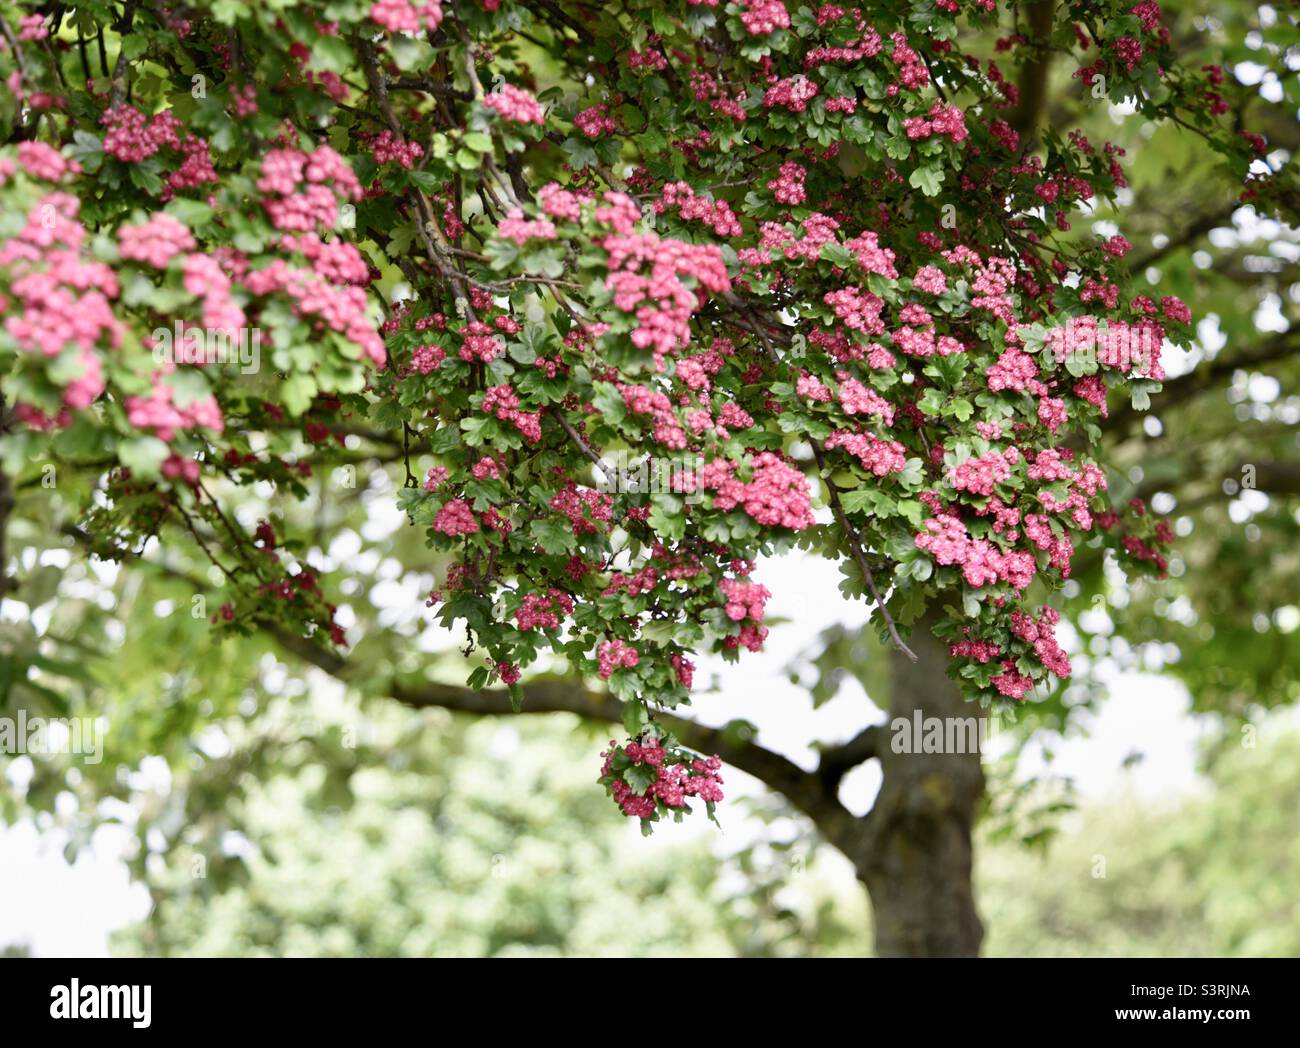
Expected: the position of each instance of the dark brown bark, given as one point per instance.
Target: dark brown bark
(1035, 72)
(915, 856)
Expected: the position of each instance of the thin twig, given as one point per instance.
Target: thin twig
(576, 437)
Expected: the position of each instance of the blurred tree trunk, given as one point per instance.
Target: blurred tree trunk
(916, 853)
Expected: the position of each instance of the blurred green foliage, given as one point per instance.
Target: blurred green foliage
(493, 854)
(475, 839)
(1217, 876)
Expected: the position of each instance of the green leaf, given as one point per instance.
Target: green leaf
(145, 179)
(228, 12)
(871, 501)
(633, 718)
(640, 777)
(332, 54)
(296, 393)
(188, 385)
(134, 45)
(40, 585)
(669, 523)
(927, 179)
(553, 536)
(143, 456)
(190, 212)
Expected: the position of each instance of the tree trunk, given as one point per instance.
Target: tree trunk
(915, 859)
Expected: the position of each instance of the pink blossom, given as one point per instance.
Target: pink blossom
(931, 280)
(763, 17)
(156, 242)
(404, 16)
(456, 518)
(613, 654)
(516, 105)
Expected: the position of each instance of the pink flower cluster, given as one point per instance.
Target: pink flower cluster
(32, 27)
(335, 260)
(343, 309)
(133, 137)
(945, 537)
(788, 186)
(1011, 682)
(404, 16)
(503, 403)
(59, 297)
(776, 496)
(1040, 634)
(427, 359)
(1014, 370)
(614, 654)
(515, 105)
(793, 93)
(159, 412)
(595, 122)
(982, 651)
(979, 475)
(662, 301)
(858, 309)
(880, 457)
(589, 512)
(931, 280)
(243, 100)
(871, 256)
(678, 776)
(559, 202)
(543, 611)
(479, 341)
(204, 278)
(42, 161)
(764, 17)
(810, 387)
(944, 120)
(486, 468)
(387, 148)
(716, 214)
(156, 242)
(744, 599)
(519, 229)
(640, 400)
(303, 189)
(857, 399)
(456, 518)
(1134, 348)
(912, 72)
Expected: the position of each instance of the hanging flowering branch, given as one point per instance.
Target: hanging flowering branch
(660, 289)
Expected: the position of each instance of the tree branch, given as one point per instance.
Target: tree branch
(1034, 73)
(549, 695)
(1203, 378)
(576, 437)
(837, 761)
(1188, 233)
(1274, 478)
(122, 66)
